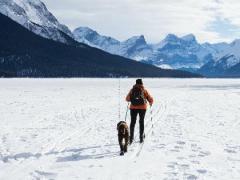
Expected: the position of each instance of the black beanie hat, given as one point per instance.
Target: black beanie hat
(139, 81)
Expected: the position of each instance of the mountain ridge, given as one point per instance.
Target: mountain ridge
(25, 54)
(35, 16)
(174, 52)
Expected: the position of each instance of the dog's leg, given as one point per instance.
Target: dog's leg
(120, 141)
(126, 142)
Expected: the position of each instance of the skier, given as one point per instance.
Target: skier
(138, 96)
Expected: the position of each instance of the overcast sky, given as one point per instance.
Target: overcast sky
(209, 20)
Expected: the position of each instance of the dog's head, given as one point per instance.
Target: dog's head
(122, 128)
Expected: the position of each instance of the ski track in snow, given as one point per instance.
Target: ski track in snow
(66, 129)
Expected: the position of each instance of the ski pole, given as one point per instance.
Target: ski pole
(126, 112)
(151, 112)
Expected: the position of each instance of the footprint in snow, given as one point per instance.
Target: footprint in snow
(4, 139)
(184, 166)
(230, 151)
(34, 135)
(181, 158)
(191, 177)
(178, 147)
(202, 171)
(174, 150)
(204, 153)
(192, 156)
(193, 145)
(42, 175)
(195, 148)
(181, 142)
(171, 174)
(160, 146)
(195, 162)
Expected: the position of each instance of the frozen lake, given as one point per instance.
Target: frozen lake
(66, 129)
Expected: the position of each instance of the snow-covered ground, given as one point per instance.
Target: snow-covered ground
(66, 129)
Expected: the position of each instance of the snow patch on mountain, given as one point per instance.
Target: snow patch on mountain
(230, 61)
(165, 66)
(35, 16)
(226, 56)
(226, 62)
(189, 38)
(92, 38)
(135, 48)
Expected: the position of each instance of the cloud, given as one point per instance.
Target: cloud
(153, 18)
(224, 28)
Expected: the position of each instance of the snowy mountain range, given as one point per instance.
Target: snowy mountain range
(34, 15)
(175, 52)
(172, 52)
(133, 48)
(25, 54)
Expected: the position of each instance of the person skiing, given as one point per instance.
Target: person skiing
(138, 96)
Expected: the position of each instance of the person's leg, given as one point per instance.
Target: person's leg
(142, 113)
(133, 113)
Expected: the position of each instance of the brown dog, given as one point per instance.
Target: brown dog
(123, 135)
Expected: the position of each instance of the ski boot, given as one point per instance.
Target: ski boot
(131, 141)
(142, 138)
